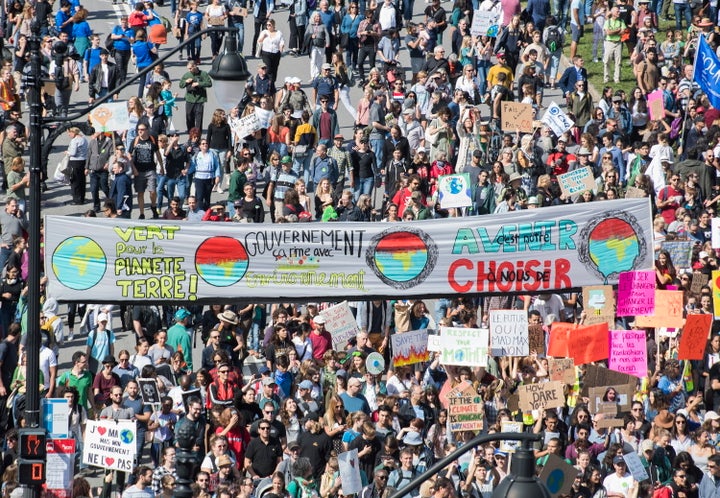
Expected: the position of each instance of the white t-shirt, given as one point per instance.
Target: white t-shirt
(615, 484)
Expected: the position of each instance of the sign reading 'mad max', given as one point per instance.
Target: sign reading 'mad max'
(101, 260)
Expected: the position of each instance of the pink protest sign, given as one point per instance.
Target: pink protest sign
(636, 293)
(628, 352)
(656, 105)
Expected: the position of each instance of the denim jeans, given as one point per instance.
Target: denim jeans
(99, 182)
(682, 9)
(240, 35)
(160, 191)
(179, 183)
(363, 186)
(378, 147)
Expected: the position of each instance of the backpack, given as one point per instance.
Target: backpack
(554, 39)
(110, 43)
(675, 128)
(150, 319)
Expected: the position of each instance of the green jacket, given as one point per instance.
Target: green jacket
(196, 94)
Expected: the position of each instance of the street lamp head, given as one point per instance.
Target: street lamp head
(521, 482)
(227, 69)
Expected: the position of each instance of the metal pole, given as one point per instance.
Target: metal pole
(34, 87)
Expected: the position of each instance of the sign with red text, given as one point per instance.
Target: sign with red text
(466, 409)
(110, 444)
(628, 352)
(59, 470)
(524, 252)
(694, 337)
(636, 293)
(669, 308)
(341, 324)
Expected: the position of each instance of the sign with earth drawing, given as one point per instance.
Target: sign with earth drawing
(529, 251)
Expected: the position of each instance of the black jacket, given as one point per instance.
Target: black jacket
(95, 85)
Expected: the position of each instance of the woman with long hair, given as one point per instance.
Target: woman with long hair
(437, 435)
(290, 417)
(278, 136)
(638, 106)
(232, 425)
(665, 272)
(160, 351)
(342, 76)
(271, 44)
(701, 449)
(681, 437)
(335, 421)
(219, 138)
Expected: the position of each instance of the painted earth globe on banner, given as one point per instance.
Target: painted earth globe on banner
(127, 436)
(402, 258)
(79, 263)
(221, 261)
(614, 246)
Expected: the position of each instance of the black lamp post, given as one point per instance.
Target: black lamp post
(519, 483)
(229, 66)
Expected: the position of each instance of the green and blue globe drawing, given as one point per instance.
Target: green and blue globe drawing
(127, 436)
(79, 263)
(221, 261)
(402, 258)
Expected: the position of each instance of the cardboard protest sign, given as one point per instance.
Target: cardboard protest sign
(599, 303)
(634, 193)
(628, 352)
(509, 333)
(515, 427)
(588, 344)
(635, 466)
(110, 444)
(454, 190)
(341, 324)
(466, 409)
(562, 370)
(656, 106)
(577, 181)
(187, 396)
(541, 396)
(636, 293)
(149, 391)
(516, 116)
(536, 339)
(680, 252)
(409, 347)
(464, 347)
(610, 422)
(349, 467)
(699, 280)
(596, 376)
(693, 339)
(668, 310)
(558, 476)
(596, 403)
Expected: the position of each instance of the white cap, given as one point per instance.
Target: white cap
(102, 317)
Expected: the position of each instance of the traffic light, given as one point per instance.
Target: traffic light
(33, 452)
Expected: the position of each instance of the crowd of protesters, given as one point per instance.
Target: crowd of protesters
(278, 432)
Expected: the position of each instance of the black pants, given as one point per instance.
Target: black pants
(99, 182)
(77, 180)
(122, 58)
(272, 59)
(365, 52)
(216, 42)
(194, 115)
(297, 35)
(259, 26)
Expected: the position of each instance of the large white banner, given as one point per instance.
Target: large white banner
(101, 260)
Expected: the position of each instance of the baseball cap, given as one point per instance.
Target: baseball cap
(618, 459)
(477, 153)
(102, 317)
(306, 384)
(327, 66)
(319, 319)
(617, 98)
(268, 381)
(286, 160)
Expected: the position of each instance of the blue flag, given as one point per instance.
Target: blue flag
(707, 72)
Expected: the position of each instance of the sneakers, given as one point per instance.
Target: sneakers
(155, 213)
(219, 189)
(142, 216)
(70, 336)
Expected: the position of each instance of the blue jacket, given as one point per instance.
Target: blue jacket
(709, 487)
(121, 193)
(569, 78)
(350, 26)
(269, 7)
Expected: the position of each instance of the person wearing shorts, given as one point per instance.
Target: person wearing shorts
(145, 155)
